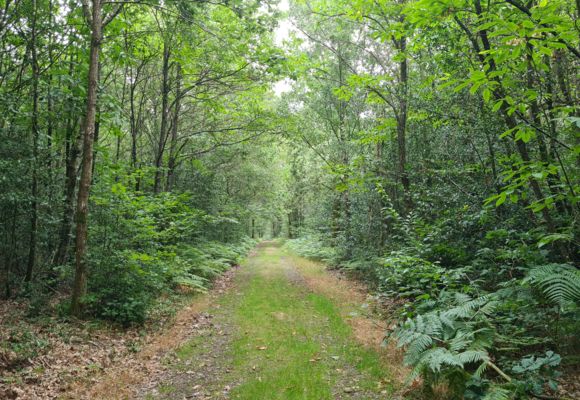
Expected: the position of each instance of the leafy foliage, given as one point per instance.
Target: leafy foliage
(411, 277)
(560, 283)
(154, 253)
(444, 342)
(314, 247)
(429, 147)
(439, 179)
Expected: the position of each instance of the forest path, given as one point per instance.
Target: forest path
(285, 329)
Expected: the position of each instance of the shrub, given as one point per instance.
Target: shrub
(125, 285)
(124, 288)
(314, 247)
(406, 276)
(441, 343)
(145, 245)
(470, 342)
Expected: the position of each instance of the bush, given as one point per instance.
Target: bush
(314, 247)
(473, 343)
(124, 286)
(448, 336)
(405, 276)
(156, 246)
(449, 256)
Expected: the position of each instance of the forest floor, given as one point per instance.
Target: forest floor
(278, 327)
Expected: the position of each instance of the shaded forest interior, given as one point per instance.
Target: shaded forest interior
(428, 148)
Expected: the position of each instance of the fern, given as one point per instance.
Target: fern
(560, 283)
(473, 356)
(480, 370)
(194, 282)
(435, 358)
(442, 343)
(468, 307)
(498, 393)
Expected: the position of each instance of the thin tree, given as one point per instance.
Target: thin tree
(94, 16)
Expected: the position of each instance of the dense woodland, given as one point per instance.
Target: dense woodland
(428, 148)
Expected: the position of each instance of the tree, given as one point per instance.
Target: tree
(94, 16)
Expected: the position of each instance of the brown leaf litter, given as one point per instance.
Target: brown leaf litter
(81, 361)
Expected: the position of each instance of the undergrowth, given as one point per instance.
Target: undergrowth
(475, 322)
(158, 247)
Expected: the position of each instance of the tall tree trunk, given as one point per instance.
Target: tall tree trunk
(35, 134)
(509, 118)
(343, 135)
(49, 100)
(534, 115)
(72, 154)
(70, 185)
(402, 124)
(164, 116)
(133, 127)
(172, 162)
(82, 214)
(97, 129)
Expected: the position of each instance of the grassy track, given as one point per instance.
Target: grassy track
(274, 338)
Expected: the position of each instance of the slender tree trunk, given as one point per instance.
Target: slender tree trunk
(344, 212)
(335, 223)
(80, 279)
(49, 100)
(72, 164)
(123, 101)
(510, 120)
(164, 116)
(171, 164)
(402, 125)
(492, 162)
(35, 134)
(72, 154)
(133, 127)
(534, 115)
(560, 73)
(97, 129)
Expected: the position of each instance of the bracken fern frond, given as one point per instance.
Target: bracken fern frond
(560, 283)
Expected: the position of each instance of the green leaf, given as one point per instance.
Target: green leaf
(554, 237)
(502, 198)
(486, 94)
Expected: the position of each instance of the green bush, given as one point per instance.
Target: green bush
(405, 276)
(447, 255)
(145, 245)
(314, 247)
(125, 286)
(470, 342)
